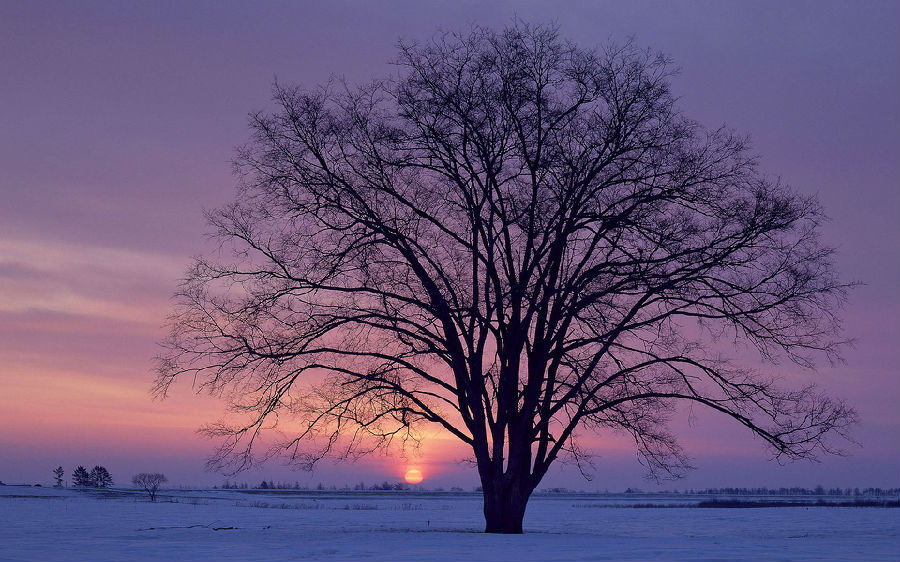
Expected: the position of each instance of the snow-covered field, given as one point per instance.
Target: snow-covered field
(61, 525)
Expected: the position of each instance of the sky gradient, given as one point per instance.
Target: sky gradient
(119, 120)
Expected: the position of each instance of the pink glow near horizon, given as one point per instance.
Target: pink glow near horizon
(119, 120)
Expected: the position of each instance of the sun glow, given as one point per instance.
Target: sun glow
(413, 476)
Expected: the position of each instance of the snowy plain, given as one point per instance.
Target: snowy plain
(68, 525)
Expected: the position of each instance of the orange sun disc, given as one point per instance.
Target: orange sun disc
(413, 476)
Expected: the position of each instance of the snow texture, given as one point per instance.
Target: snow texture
(224, 525)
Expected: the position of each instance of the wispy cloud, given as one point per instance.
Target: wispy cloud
(110, 283)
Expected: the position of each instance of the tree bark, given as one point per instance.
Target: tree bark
(504, 511)
(505, 500)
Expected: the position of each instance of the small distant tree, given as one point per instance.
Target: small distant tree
(149, 482)
(58, 473)
(81, 478)
(100, 477)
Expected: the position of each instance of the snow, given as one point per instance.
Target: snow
(69, 525)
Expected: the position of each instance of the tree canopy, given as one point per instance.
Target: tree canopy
(514, 239)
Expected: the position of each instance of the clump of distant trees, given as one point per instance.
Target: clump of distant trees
(229, 485)
(98, 477)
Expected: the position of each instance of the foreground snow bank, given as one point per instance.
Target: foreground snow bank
(66, 525)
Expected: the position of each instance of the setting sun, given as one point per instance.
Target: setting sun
(413, 476)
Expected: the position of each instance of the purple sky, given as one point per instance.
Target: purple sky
(118, 120)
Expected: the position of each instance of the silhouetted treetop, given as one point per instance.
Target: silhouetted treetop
(81, 477)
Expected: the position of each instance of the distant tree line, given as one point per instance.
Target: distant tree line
(228, 485)
(782, 491)
(860, 501)
(99, 477)
(726, 491)
(272, 485)
(269, 485)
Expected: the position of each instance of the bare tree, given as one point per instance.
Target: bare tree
(149, 482)
(514, 239)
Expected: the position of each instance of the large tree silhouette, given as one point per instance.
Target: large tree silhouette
(514, 239)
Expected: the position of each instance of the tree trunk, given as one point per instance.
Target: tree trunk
(504, 506)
